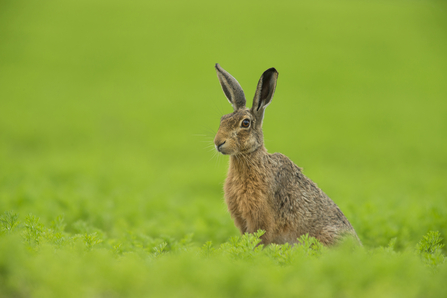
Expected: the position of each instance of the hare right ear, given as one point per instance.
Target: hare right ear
(232, 89)
(264, 93)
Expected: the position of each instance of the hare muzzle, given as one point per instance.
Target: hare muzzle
(221, 144)
(219, 147)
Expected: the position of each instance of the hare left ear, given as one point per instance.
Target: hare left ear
(264, 93)
(231, 87)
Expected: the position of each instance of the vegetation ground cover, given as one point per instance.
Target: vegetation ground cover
(109, 182)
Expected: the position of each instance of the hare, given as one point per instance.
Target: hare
(268, 191)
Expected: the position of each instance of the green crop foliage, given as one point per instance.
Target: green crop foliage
(110, 185)
(76, 265)
(430, 249)
(8, 222)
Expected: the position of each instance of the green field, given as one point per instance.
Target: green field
(109, 182)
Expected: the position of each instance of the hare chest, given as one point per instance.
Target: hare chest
(248, 203)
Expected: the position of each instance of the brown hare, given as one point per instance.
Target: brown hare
(268, 191)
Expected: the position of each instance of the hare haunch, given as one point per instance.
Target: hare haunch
(268, 191)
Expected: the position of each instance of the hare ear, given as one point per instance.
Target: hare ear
(232, 89)
(264, 93)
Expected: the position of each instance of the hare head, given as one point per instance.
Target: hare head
(241, 131)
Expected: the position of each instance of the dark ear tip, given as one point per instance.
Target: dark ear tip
(271, 71)
(217, 66)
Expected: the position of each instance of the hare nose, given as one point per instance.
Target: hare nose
(220, 146)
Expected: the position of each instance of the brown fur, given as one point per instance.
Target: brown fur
(268, 191)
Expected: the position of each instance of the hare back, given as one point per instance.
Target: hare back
(302, 207)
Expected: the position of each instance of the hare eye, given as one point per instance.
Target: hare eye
(245, 123)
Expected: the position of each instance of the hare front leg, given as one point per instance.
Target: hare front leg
(262, 222)
(241, 224)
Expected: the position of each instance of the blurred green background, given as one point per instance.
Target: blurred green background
(108, 110)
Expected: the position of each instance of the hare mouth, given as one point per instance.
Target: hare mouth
(221, 148)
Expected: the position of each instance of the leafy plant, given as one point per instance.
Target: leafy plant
(33, 230)
(430, 249)
(8, 221)
(243, 247)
